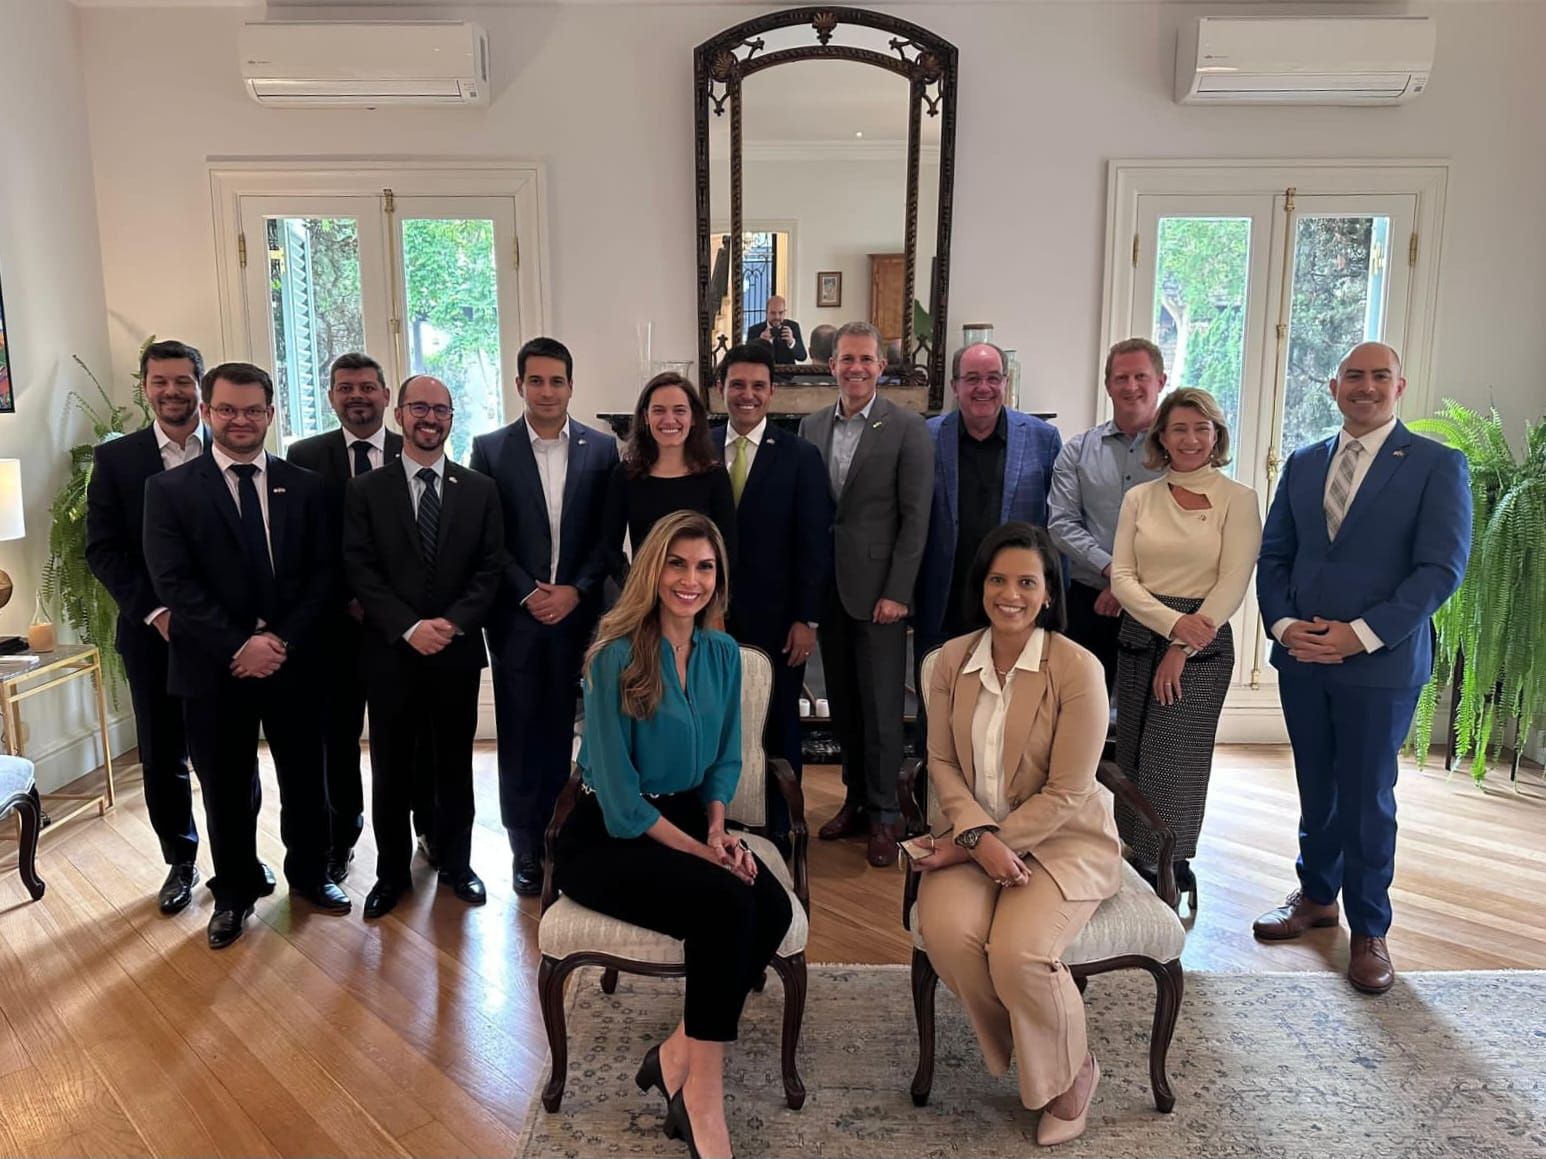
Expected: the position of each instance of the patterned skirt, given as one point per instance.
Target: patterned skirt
(1167, 749)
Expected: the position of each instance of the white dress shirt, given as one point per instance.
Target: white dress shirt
(375, 448)
(552, 457)
(415, 493)
(990, 715)
(174, 456)
(753, 441)
(1372, 443)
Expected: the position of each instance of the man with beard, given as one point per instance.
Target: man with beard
(358, 393)
(881, 469)
(424, 550)
(238, 551)
(781, 332)
(115, 552)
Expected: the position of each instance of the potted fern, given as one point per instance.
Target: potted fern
(1494, 627)
(69, 588)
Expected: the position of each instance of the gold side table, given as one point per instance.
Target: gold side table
(25, 676)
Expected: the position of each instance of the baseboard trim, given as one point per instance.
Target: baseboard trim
(69, 758)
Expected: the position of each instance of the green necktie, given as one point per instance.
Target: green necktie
(738, 468)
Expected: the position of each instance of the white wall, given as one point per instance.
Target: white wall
(1049, 93)
(51, 270)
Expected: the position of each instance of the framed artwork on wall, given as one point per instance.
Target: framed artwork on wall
(7, 393)
(829, 288)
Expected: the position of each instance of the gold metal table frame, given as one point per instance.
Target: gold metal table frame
(66, 663)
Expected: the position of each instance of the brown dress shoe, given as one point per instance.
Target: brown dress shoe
(883, 839)
(1293, 917)
(849, 821)
(1368, 966)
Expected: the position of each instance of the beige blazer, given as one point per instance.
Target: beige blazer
(1056, 727)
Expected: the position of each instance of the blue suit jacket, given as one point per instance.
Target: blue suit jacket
(1033, 447)
(506, 455)
(783, 566)
(1400, 553)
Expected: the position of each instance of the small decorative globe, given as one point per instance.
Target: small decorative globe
(5, 589)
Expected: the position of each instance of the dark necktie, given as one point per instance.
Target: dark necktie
(361, 456)
(255, 537)
(429, 514)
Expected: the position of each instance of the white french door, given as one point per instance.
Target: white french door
(1254, 291)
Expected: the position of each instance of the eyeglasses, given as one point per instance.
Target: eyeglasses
(251, 413)
(419, 409)
(973, 381)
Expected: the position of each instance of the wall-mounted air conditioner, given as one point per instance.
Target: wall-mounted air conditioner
(363, 64)
(1334, 60)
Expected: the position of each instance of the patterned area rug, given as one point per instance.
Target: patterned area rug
(1297, 1066)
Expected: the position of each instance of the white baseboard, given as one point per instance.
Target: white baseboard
(66, 759)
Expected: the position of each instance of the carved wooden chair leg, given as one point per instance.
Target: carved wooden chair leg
(550, 990)
(29, 810)
(609, 980)
(925, 982)
(1170, 984)
(1080, 981)
(792, 973)
(761, 982)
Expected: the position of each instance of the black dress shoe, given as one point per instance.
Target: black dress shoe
(650, 1074)
(467, 885)
(428, 850)
(528, 876)
(225, 926)
(268, 880)
(678, 1125)
(384, 896)
(177, 889)
(326, 896)
(338, 865)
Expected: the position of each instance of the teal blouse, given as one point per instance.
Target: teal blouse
(693, 741)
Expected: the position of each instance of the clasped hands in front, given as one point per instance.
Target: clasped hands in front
(259, 657)
(992, 856)
(728, 851)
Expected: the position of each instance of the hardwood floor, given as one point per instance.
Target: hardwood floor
(122, 1033)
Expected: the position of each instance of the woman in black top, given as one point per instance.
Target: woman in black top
(668, 465)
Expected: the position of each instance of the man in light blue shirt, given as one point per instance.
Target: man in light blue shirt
(1093, 474)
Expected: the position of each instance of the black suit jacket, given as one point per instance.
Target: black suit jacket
(328, 455)
(783, 354)
(115, 526)
(193, 548)
(397, 588)
(782, 572)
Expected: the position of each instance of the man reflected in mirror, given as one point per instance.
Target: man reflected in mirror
(781, 332)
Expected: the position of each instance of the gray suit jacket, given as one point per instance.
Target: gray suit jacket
(882, 518)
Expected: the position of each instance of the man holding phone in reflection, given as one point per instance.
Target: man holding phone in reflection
(781, 332)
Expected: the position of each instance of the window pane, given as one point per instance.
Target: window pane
(1338, 302)
(452, 290)
(1202, 266)
(315, 309)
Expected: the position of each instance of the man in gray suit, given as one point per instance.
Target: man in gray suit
(881, 466)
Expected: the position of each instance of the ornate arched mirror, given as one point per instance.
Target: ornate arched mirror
(825, 150)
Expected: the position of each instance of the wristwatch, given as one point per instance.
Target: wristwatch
(968, 838)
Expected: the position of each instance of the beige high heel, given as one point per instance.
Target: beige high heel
(1051, 1130)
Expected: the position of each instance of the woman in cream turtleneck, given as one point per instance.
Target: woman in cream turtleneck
(1186, 545)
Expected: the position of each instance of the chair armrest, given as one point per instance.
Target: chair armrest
(799, 835)
(1112, 777)
(567, 797)
(907, 796)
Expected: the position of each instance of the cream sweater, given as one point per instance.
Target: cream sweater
(1162, 549)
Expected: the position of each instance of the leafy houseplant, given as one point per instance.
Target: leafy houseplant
(78, 598)
(1496, 620)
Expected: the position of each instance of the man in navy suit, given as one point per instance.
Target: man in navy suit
(552, 473)
(991, 465)
(115, 552)
(238, 549)
(783, 566)
(1368, 535)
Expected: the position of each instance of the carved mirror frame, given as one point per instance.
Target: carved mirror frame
(925, 60)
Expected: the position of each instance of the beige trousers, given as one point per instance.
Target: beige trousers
(999, 950)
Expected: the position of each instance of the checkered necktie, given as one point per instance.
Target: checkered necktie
(1341, 487)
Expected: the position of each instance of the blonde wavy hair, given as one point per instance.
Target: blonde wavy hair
(1155, 456)
(636, 615)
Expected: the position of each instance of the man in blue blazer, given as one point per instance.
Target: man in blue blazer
(991, 465)
(783, 566)
(552, 474)
(1367, 536)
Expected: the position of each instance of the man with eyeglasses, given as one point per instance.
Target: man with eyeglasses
(238, 550)
(992, 464)
(358, 393)
(424, 552)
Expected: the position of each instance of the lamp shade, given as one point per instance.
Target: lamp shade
(13, 524)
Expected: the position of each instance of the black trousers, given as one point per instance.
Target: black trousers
(729, 930)
(782, 734)
(163, 741)
(423, 717)
(865, 665)
(1093, 631)
(223, 725)
(344, 722)
(536, 691)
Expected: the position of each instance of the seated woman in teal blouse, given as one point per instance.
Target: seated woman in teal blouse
(647, 842)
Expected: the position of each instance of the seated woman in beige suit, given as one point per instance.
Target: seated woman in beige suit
(1017, 718)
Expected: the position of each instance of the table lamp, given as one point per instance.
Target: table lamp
(13, 525)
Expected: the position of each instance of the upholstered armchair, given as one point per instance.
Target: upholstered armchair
(19, 791)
